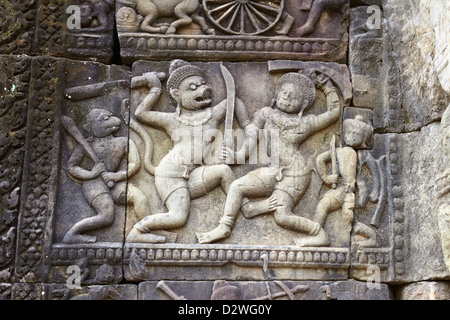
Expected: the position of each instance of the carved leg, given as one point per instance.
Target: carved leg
(285, 218)
(202, 22)
(247, 186)
(104, 206)
(366, 232)
(178, 205)
(182, 12)
(150, 15)
(330, 202)
(251, 209)
(139, 201)
(205, 179)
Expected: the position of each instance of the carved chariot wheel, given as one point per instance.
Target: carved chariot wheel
(244, 17)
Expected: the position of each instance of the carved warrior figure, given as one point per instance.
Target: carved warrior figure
(342, 180)
(184, 12)
(104, 185)
(179, 179)
(283, 186)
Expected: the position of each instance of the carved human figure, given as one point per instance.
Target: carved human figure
(342, 180)
(285, 185)
(104, 185)
(179, 177)
(317, 8)
(183, 11)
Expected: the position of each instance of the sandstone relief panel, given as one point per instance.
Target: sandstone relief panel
(90, 207)
(230, 149)
(298, 106)
(237, 30)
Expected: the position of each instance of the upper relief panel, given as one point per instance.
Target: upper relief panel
(232, 30)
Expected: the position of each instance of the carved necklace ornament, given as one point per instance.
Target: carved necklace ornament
(193, 120)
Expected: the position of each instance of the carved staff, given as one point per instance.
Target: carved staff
(287, 292)
(72, 129)
(231, 103)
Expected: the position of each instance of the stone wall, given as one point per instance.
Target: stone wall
(119, 178)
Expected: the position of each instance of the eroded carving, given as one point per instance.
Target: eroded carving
(95, 16)
(248, 17)
(317, 7)
(183, 12)
(231, 29)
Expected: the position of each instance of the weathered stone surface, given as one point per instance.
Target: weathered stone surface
(272, 246)
(76, 29)
(375, 73)
(233, 30)
(88, 37)
(442, 185)
(272, 290)
(90, 209)
(96, 292)
(14, 84)
(17, 26)
(433, 290)
(104, 195)
(417, 222)
(419, 38)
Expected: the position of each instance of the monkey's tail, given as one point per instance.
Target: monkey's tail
(146, 138)
(148, 145)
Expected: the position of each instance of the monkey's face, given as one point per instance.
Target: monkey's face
(103, 123)
(193, 93)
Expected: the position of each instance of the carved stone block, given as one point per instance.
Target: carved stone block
(17, 26)
(76, 29)
(261, 291)
(96, 292)
(375, 73)
(232, 30)
(432, 290)
(90, 205)
(14, 88)
(184, 210)
(47, 101)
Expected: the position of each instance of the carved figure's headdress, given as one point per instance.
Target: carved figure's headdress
(304, 84)
(178, 71)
